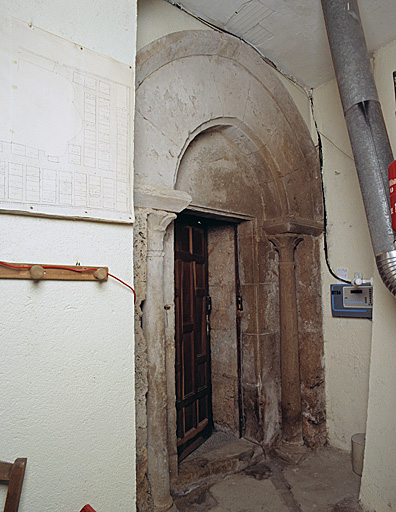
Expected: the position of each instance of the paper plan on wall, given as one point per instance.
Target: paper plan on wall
(65, 131)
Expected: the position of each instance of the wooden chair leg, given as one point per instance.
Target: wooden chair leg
(15, 485)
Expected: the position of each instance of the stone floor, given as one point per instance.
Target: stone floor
(235, 476)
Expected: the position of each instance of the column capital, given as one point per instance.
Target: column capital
(285, 244)
(157, 223)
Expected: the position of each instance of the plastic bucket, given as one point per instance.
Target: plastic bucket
(358, 443)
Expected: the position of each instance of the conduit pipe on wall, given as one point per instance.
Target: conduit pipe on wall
(366, 127)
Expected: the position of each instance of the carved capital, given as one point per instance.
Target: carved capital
(286, 245)
(157, 223)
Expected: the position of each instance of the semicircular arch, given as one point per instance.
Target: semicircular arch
(190, 81)
(223, 169)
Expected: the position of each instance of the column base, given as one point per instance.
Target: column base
(171, 508)
(293, 453)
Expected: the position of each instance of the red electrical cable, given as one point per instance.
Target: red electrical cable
(58, 267)
(69, 268)
(125, 284)
(13, 266)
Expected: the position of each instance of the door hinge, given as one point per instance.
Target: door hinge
(239, 303)
(208, 304)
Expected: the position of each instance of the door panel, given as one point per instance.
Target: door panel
(193, 386)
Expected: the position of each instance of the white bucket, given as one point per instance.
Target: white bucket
(358, 443)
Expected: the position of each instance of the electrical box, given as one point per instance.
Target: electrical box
(352, 301)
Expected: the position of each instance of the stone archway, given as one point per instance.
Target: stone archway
(201, 94)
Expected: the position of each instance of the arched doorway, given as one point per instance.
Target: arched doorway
(217, 133)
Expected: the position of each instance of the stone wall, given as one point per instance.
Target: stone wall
(143, 493)
(309, 299)
(223, 331)
(260, 335)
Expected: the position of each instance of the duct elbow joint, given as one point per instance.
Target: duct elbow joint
(386, 264)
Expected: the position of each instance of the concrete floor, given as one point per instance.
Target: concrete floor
(322, 482)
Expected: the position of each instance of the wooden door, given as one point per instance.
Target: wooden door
(193, 386)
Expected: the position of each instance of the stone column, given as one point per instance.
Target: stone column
(154, 331)
(292, 448)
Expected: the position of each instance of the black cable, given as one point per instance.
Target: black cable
(225, 31)
(320, 148)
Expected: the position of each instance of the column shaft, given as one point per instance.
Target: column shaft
(154, 332)
(290, 363)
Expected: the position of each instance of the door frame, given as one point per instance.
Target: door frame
(218, 219)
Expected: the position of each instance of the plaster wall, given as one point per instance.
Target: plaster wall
(158, 18)
(96, 25)
(378, 481)
(347, 341)
(67, 376)
(359, 354)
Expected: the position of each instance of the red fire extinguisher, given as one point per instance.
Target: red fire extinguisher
(392, 192)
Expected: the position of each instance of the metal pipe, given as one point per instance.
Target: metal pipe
(366, 127)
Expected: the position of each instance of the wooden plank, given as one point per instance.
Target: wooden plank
(54, 272)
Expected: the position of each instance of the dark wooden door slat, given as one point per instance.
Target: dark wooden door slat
(193, 386)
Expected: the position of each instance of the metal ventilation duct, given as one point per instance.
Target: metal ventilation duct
(366, 127)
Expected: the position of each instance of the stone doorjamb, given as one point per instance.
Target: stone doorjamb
(158, 210)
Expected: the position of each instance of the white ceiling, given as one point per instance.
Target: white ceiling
(291, 33)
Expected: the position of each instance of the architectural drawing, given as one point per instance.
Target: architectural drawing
(64, 143)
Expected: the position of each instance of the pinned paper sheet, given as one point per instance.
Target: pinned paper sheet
(66, 129)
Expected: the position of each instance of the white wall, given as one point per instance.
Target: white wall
(67, 369)
(157, 18)
(97, 25)
(359, 355)
(378, 489)
(347, 340)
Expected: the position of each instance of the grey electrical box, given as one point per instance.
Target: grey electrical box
(352, 301)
